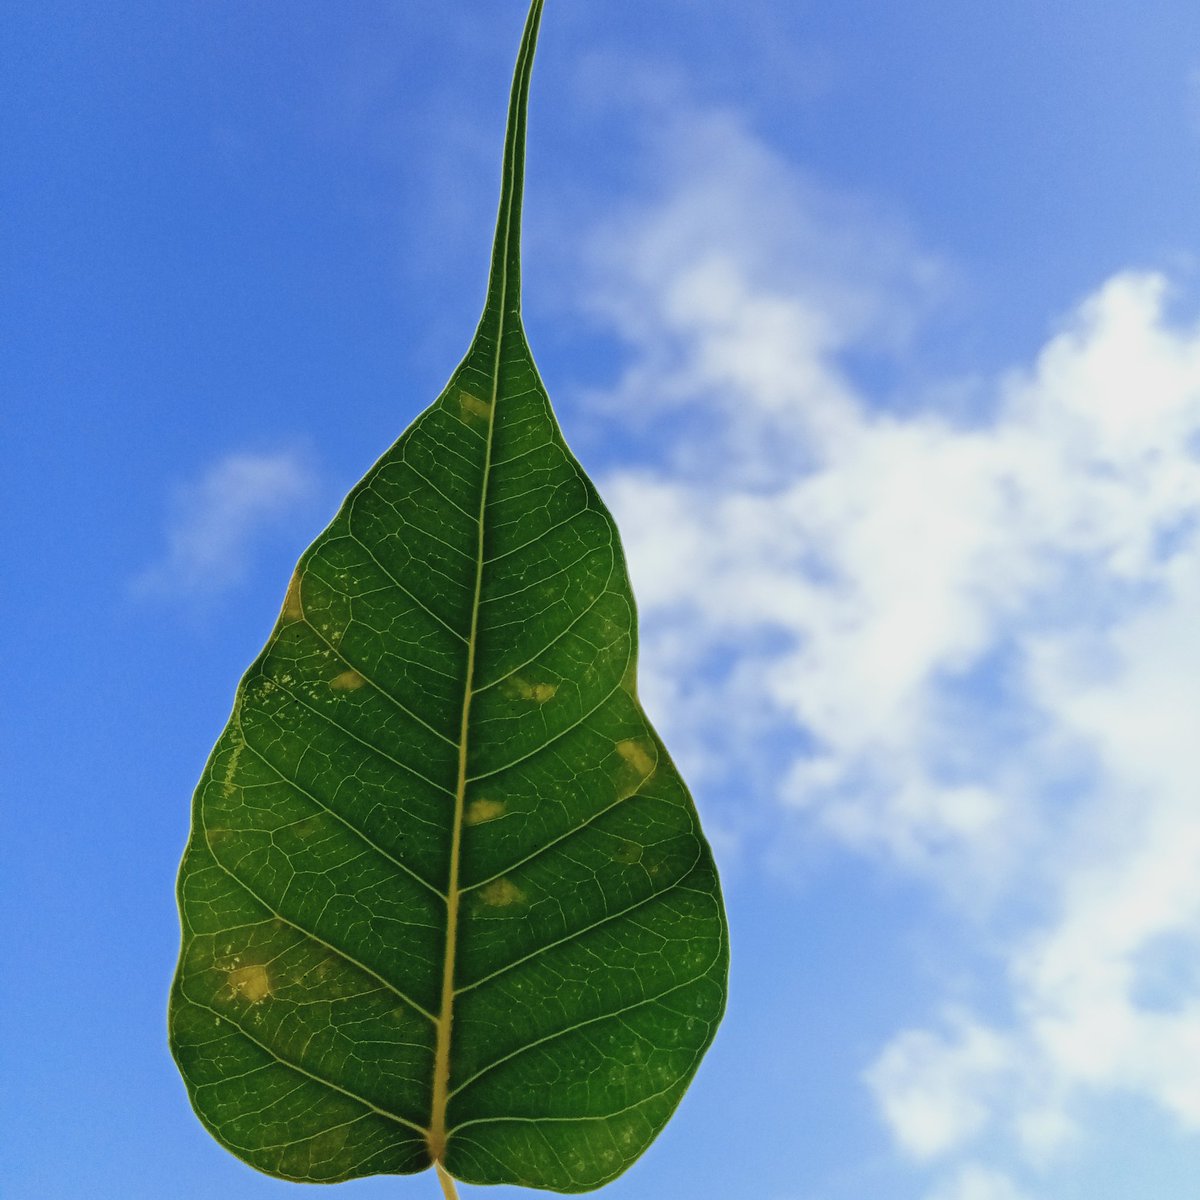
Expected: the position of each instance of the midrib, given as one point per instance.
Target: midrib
(514, 159)
(441, 1076)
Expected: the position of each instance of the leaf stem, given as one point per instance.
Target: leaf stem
(448, 1189)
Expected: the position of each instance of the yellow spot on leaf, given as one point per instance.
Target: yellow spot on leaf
(522, 689)
(479, 811)
(309, 828)
(229, 779)
(250, 983)
(638, 755)
(293, 610)
(629, 680)
(501, 893)
(472, 406)
(347, 681)
(628, 853)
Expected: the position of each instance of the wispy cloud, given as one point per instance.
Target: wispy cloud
(974, 1182)
(217, 520)
(967, 645)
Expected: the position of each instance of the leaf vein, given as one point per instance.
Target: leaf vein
(337, 816)
(353, 536)
(560, 1033)
(301, 1070)
(576, 934)
(344, 955)
(562, 733)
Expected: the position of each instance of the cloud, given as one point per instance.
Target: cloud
(1107, 988)
(966, 642)
(933, 1090)
(217, 520)
(974, 1182)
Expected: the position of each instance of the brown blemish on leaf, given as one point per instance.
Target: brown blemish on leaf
(347, 681)
(250, 983)
(293, 610)
(481, 810)
(639, 756)
(474, 408)
(501, 893)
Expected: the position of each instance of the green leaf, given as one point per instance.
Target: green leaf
(446, 899)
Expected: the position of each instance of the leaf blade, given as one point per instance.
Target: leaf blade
(438, 802)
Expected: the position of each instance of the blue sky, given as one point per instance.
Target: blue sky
(876, 325)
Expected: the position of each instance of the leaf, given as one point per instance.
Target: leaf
(446, 899)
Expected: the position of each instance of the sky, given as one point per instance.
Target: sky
(878, 327)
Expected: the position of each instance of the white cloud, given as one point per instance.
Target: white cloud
(975, 1182)
(968, 646)
(216, 521)
(935, 1092)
